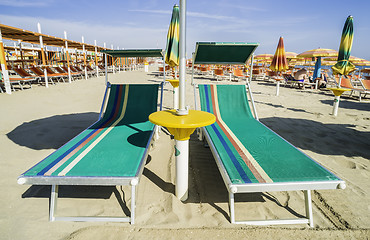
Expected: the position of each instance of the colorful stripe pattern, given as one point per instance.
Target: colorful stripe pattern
(250, 152)
(279, 62)
(109, 146)
(173, 37)
(343, 66)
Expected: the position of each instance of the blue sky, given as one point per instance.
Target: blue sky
(129, 24)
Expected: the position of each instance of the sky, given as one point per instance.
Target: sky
(133, 24)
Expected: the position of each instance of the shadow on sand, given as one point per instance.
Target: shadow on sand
(326, 139)
(51, 132)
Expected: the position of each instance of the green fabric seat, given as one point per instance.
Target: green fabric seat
(114, 145)
(269, 157)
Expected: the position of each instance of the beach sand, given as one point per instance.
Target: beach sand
(37, 121)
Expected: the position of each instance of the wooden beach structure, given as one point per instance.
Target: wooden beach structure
(67, 51)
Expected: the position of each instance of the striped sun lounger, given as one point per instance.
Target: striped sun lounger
(112, 151)
(252, 158)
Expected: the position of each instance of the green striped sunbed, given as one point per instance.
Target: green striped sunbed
(110, 152)
(252, 158)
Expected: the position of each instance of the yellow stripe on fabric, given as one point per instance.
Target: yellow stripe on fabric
(255, 164)
(88, 149)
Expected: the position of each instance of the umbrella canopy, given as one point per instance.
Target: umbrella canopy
(291, 55)
(279, 62)
(318, 52)
(173, 37)
(343, 66)
(264, 56)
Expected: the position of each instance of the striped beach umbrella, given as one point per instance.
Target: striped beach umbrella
(173, 37)
(264, 56)
(318, 52)
(343, 66)
(279, 62)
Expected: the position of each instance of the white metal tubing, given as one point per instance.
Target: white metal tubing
(53, 202)
(251, 69)
(336, 105)
(277, 87)
(252, 101)
(182, 169)
(182, 58)
(113, 66)
(106, 66)
(84, 52)
(96, 60)
(67, 57)
(3, 67)
(43, 55)
(232, 207)
(133, 203)
(308, 202)
(175, 98)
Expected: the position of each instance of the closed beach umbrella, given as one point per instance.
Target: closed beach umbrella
(173, 36)
(172, 51)
(343, 66)
(279, 62)
(317, 71)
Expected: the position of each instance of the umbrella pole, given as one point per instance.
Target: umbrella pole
(182, 63)
(336, 105)
(182, 169)
(277, 87)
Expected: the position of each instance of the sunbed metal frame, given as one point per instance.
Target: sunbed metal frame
(233, 189)
(92, 181)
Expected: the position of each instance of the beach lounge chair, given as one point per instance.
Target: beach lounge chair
(252, 158)
(112, 151)
(347, 83)
(20, 81)
(238, 74)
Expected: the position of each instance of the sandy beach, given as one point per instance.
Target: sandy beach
(35, 122)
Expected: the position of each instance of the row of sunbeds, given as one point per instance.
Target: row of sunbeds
(19, 76)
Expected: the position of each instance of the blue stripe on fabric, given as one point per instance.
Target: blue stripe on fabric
(229, 152)
(206, 88)
(48, 167)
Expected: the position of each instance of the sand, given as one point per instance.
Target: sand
(35, 122)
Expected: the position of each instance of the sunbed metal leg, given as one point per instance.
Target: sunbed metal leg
(308, 201)
(133, 203)
(53, 202)
(232, 207)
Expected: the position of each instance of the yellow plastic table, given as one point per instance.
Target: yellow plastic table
(181, 127)
(337, 93)
(175, 85)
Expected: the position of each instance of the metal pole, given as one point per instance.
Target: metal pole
(96, 60)
(182, 64)
(106, 66)
(43, 56)
(84, 52)
(251, 69)
(4, 67)
(67, 56)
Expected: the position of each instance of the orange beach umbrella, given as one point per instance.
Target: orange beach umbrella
(279, 62)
